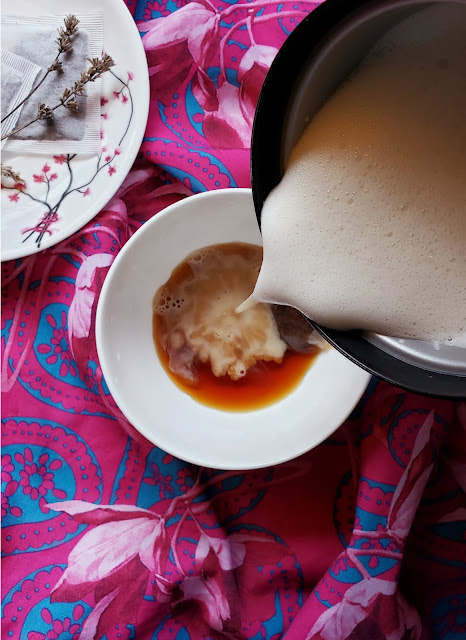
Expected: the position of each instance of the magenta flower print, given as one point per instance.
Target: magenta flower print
(6, 507)
(120, 550)
(10, 488)
(185, 44)
(163, 482)
(58, 628)
(127, 551)
(27, 474)
(174, 45)
(127, 543)
(210, 593)
(229, 109)
(338, 565)
(38, 478)
(213, 557)
(227, 126)
(229, 551)
(205, 91)
(7, 468)
(155, 10)
(184, 479)
(58, 349)
(372, 608)
(251, 74)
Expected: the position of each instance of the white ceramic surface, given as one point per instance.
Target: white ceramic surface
(156, 407)
(64, 192)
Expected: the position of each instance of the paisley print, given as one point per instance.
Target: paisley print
(105, 536)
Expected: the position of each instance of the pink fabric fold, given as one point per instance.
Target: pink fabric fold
(105, 535)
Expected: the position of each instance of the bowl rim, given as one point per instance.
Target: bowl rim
(272, 108)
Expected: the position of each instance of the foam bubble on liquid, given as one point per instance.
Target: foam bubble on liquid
(392, 140)
(196, 313)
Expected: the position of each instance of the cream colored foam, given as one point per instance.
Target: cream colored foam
(201, 318)
(367, 228)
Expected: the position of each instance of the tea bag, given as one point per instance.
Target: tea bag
(18, 75)
(69, 131)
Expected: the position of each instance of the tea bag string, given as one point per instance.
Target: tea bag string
(64, 45)
(68, 99)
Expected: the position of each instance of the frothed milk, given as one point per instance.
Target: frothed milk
(367, 229)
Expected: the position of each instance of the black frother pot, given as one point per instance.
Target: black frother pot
(319, 54)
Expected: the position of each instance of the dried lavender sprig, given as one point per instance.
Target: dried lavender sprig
(98, 67)
(64, 44)
(8, 172)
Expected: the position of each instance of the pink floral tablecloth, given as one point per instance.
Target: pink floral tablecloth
(107, 536)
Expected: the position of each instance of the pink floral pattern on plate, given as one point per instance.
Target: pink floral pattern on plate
(64, 164)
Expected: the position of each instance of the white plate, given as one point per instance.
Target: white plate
(72, 190)
(156, 407)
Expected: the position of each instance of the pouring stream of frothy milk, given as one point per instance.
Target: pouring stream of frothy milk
(367, 229)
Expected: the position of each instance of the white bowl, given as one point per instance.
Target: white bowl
(155, 406)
